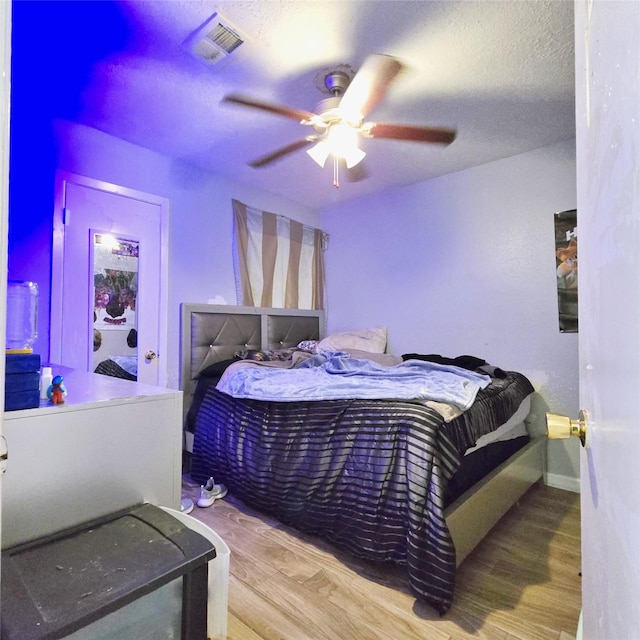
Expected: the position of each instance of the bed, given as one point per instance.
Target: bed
(373, 476)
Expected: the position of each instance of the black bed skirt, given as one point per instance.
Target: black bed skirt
(479, 464)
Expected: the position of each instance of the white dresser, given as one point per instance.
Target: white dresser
(112, 444)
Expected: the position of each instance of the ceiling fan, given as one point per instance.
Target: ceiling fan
(339, 120)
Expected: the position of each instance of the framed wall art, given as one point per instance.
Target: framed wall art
(566, 234)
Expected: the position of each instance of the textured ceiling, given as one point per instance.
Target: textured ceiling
(501, 73)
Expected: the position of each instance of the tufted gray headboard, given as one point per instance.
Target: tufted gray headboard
(211, 333)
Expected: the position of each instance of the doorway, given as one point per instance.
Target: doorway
(109, 280)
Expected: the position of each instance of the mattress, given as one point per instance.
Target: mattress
(478, 464)
(514, 427)
(489, 452)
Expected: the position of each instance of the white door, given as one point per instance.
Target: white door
(608, 168)
(114, 309)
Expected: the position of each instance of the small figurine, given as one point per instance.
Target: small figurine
(57, 391)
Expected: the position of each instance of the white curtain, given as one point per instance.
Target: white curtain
(279, 262)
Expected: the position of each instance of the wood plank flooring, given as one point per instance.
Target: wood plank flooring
(521, 583)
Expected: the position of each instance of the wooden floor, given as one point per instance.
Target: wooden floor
(522, 582)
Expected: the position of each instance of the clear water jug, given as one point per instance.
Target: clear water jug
(22, 314)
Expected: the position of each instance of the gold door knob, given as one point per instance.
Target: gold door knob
(150, 355)
(564, 427)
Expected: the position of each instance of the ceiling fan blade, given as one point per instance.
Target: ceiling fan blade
(300, 115)
(283, 151)
(408, 132)
(369, 85)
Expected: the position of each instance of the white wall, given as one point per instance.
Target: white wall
(465, 264)
(460, 264)
(201, 219)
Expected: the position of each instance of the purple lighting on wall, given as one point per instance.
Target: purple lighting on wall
(55, 46)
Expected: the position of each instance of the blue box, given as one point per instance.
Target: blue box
(22, 362)
(22, 381)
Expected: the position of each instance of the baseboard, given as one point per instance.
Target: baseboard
(562, 482)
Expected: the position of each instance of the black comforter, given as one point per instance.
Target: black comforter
(369, 476)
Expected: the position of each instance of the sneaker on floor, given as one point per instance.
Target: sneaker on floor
(186, 505)
(211, 492)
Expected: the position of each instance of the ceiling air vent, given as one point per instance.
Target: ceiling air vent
(215, 41)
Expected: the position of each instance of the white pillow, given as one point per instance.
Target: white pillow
(372, 340)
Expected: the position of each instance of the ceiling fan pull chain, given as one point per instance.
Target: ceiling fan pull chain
(336, 182)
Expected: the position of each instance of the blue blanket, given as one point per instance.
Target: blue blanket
(334, 376)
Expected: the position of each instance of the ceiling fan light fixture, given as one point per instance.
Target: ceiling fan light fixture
(319, 153)
(353, 156)
(342, 140)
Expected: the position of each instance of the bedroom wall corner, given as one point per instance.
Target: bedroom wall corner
(465, 264)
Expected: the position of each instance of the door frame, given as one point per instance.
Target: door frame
(5, 103)
(57, 261)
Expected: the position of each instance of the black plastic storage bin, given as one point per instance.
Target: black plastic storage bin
(56, 585)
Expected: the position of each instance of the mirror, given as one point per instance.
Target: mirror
(115, 288)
